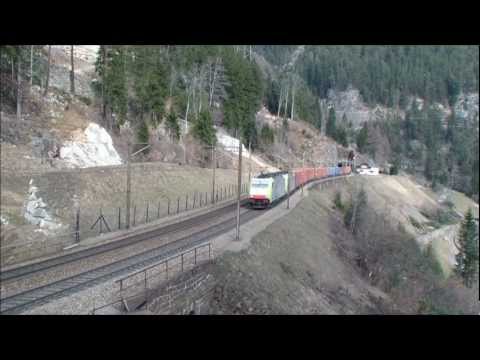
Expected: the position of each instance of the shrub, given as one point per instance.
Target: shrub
(86, 100)
(415, 223)
(337, 201)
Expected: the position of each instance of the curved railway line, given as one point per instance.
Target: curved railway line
(25, 270)
(23, 300)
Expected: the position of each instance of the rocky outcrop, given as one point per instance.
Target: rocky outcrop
(350, 104)
(93, 147)
(36, 211)
(466, 106)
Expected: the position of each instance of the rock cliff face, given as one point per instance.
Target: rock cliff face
(350, 104)
(466, 106)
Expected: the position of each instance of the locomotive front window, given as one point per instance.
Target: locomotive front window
(260, 186)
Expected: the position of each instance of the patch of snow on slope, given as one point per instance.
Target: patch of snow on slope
(231, 144)
(4, 220)
(96, 150)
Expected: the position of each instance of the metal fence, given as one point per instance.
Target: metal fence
(141, 285)
(84, 226)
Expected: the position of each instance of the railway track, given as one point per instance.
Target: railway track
(27, 299)
(19, 272)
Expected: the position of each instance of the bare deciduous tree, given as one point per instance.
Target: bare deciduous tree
(280, 101)
(31, 65)
(72, 72)
(19, 86)
(48, 70)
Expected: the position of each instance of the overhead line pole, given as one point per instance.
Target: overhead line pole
(237, 237)
(129, 175)
(214, 165)
(249, 163)
(129, 179)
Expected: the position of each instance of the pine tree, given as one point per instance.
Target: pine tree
(450, 127)
(267, 136)
(331, 128)
(362, 139)
(143, 134)
(467, 257)
(341, 136)
(173, 126)
(203, 128)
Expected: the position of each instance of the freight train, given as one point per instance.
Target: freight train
(267, 189)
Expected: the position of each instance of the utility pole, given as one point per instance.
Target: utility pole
(288, 186)
(129, 174)
(303, 167)
(129, 177)
(239, 189)
(249, 163)
(214, 165)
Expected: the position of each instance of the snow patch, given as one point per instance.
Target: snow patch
(94, 149)
(4, 220)
(231, 145)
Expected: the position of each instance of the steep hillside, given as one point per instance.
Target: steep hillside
(309, 262)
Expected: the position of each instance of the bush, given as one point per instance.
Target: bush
(338, 201)
(449, 204)
(143, 137)
(86, 100)
(267, 136)
(415, 223)
(446, 217)
(394, 170)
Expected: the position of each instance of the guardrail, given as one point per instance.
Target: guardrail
(140, 284)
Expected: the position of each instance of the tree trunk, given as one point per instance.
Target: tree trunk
(212, 86)
(48, 70)
(31, 65)
(186, 111)
(293, 102)
(200, 104)
(194, 85)
(279, 102)
(104, 107)
(13, 79)
(72, 72)
(19, 90)
(172, 80)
